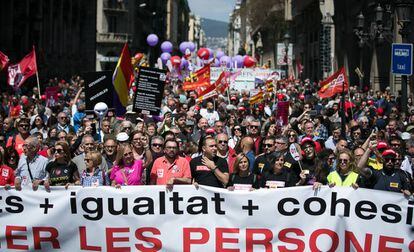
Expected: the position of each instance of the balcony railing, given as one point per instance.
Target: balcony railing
(114, 7)
(113, 37)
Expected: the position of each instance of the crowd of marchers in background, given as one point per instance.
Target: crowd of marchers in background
(222, 142)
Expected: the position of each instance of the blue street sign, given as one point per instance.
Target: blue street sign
(402, 59)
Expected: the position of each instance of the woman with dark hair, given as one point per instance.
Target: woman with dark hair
(237, 133)
(241, 174)
(62, 171)
(279, 176)
(270, 130)
(127, 170)
(292, 136)
(38, 125)
(11, 157)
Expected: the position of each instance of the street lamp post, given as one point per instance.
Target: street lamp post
(381, 29)
(286, 40)
(403, 9)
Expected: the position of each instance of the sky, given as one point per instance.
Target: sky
(212, 9)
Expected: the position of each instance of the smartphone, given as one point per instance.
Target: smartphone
(313, 113)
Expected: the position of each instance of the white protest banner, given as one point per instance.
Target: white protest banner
(149, 218)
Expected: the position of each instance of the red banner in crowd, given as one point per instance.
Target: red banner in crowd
(21, 71)
(4, 60)
(334, 84)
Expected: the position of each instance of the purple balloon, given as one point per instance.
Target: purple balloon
(165, 57)
(152, 40)
(184, 63)
(167, 46)
(211, 54)
(183, 46)
(237, 60)
(219, 54)
(225, 61)
(191, 46)
(216, 63)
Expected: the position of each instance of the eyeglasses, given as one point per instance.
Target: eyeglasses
(292, 135)
(386, 160)
(24, 125)
(222, 142)
(59, 151)
(126, 154)
(237, 129)
(63, 117)
(343, 161)
(268, 145)
(395, 145)
(331, 158)
(254, 126)
(156, 145)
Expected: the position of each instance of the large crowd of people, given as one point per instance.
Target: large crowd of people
(222, 142)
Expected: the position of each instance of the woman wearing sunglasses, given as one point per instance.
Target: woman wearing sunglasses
(345, 174)
(127, 170)
(62, 171)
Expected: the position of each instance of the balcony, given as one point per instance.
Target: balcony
(114, 38)
(110, 6)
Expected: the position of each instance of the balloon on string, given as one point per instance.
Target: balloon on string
(184, 63)
(43, 97)
(183, 46)
(175, 61)
(203, 53)
(152, 40)
(237, 61)
(249, 61)
(211, 53)
(216, 63)
(165, 57)
(225, 61)
(191, 46)
(219, 54)
(167, 46)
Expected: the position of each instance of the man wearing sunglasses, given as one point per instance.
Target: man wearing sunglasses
(262, 163)
(389, 178)
(224, 151)
(23, 132)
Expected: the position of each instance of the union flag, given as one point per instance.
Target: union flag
(21, 71)
(4, 60)
(200, 78)
(334, 84)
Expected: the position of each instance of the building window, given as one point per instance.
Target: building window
(112, 24)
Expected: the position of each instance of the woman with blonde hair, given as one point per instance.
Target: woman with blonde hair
(127, 170)
(241, 174)
(345, 174)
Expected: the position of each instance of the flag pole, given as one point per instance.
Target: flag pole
(343, 130)
(37, 73)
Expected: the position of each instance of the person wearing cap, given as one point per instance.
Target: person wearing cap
(389, 178)
(209, 169)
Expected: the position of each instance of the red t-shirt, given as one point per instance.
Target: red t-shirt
(6, 175)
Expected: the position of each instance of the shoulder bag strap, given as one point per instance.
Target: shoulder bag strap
(28, 168)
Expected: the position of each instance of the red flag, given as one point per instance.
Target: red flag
(334, 84)
(4, 60)
(201, 78)
(20, 72)
(222, 83)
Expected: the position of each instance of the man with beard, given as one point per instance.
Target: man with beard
(209, 169)
(389, 178)
(170, 169)
(210, 114)
(262, 163)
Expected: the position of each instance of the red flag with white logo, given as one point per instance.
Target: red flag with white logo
(4, 60)
(21, 71)
(334, 84)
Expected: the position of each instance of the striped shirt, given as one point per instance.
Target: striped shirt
(99, 178)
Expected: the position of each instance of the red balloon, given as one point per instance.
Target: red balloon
(280, 97)
(175, 61)
(302, 96)
(59, 95)
(249, 61)
(203, 53)
(138, 56)
(43, 97)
